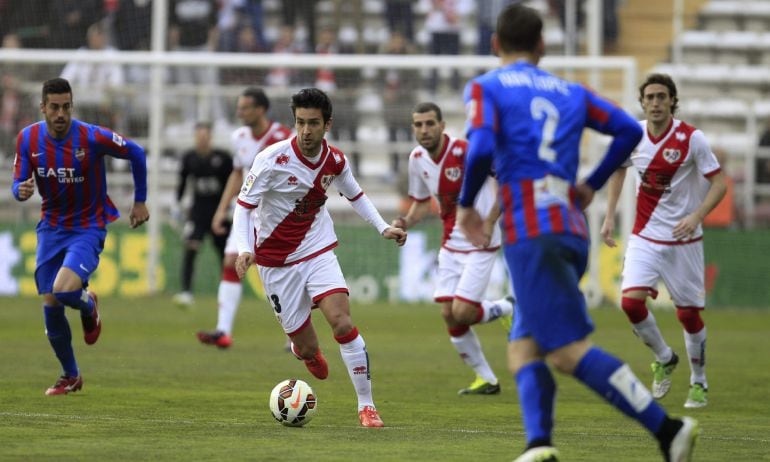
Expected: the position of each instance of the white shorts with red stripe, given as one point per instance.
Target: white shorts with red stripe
(293, 290)
(463, 274)
(680, 266)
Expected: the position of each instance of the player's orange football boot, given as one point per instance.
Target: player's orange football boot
(317, 366)
(369, 417)
(216, 338)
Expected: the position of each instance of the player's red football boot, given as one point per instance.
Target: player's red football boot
(317, 366)
(216, 338)
(369, 417)
(65, 385)
(92, 325)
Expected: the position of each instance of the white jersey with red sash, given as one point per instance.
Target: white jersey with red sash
(671, 181)
(288, 191)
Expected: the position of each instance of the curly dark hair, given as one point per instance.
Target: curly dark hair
(666, 81)
(312, 98)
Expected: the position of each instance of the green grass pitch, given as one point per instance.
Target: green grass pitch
(152, 392)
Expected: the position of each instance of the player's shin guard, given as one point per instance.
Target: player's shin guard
(616, 383)
(353, 352)
(60, 337)
(537, 393)
(77, 299)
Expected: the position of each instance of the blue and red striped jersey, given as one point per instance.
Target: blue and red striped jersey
(527, 123)
(70, 173)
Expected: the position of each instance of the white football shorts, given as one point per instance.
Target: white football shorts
(681, 267)
(461, 274)
(293, 290)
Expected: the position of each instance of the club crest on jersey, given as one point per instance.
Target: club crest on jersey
(250, 179)
(283, 159)
(80, 154)
(117, 139)
(293, 181)
(453, 173)
(326, 181)
(680, 136)
(672, 155)
(457, 151)
(337, 157)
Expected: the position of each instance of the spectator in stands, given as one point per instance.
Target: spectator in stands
(15, 107)
(763, 164)
(96, 81)
(234, 17)
(207, 170)
(70, 20)
(193, 27)
(610, 26)
(399, 15)
(256, 13)
(29, 21)
(343, 84)
(284, 44)
(486, 17)
(306, 8)
(444, 22)
(350, 14)
(131, 24)
(399, 87)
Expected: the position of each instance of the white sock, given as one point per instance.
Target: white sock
(469, 348)
(357, 361)
(228, 297)
(495, 309)
(649, 332)
(696, 351)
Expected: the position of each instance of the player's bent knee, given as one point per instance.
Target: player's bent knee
(635, 309)
(690, 319)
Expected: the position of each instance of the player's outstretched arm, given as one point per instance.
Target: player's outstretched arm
(139, 214)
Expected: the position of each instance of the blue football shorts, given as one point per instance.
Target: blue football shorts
(550, 307)
(77, 249)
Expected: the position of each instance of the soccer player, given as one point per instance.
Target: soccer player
(65, 158)
(293, 250)
(529, 122)
(208, 170)
(257, 133)
(435, 169)
(679, 182)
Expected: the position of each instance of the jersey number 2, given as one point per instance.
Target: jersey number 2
(542, 108)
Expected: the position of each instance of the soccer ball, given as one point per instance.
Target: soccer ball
(293, 402)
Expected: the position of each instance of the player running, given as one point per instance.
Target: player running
(65, 157)
(436, 169)
(287, 188)
(257, 133)
(679, 182)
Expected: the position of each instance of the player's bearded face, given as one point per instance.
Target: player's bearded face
(311, 129)
(57, 109)
(427, 129)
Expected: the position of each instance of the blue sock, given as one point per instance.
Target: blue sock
(537, 392)
(78, 299)
(59, 335)
(616, 383)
